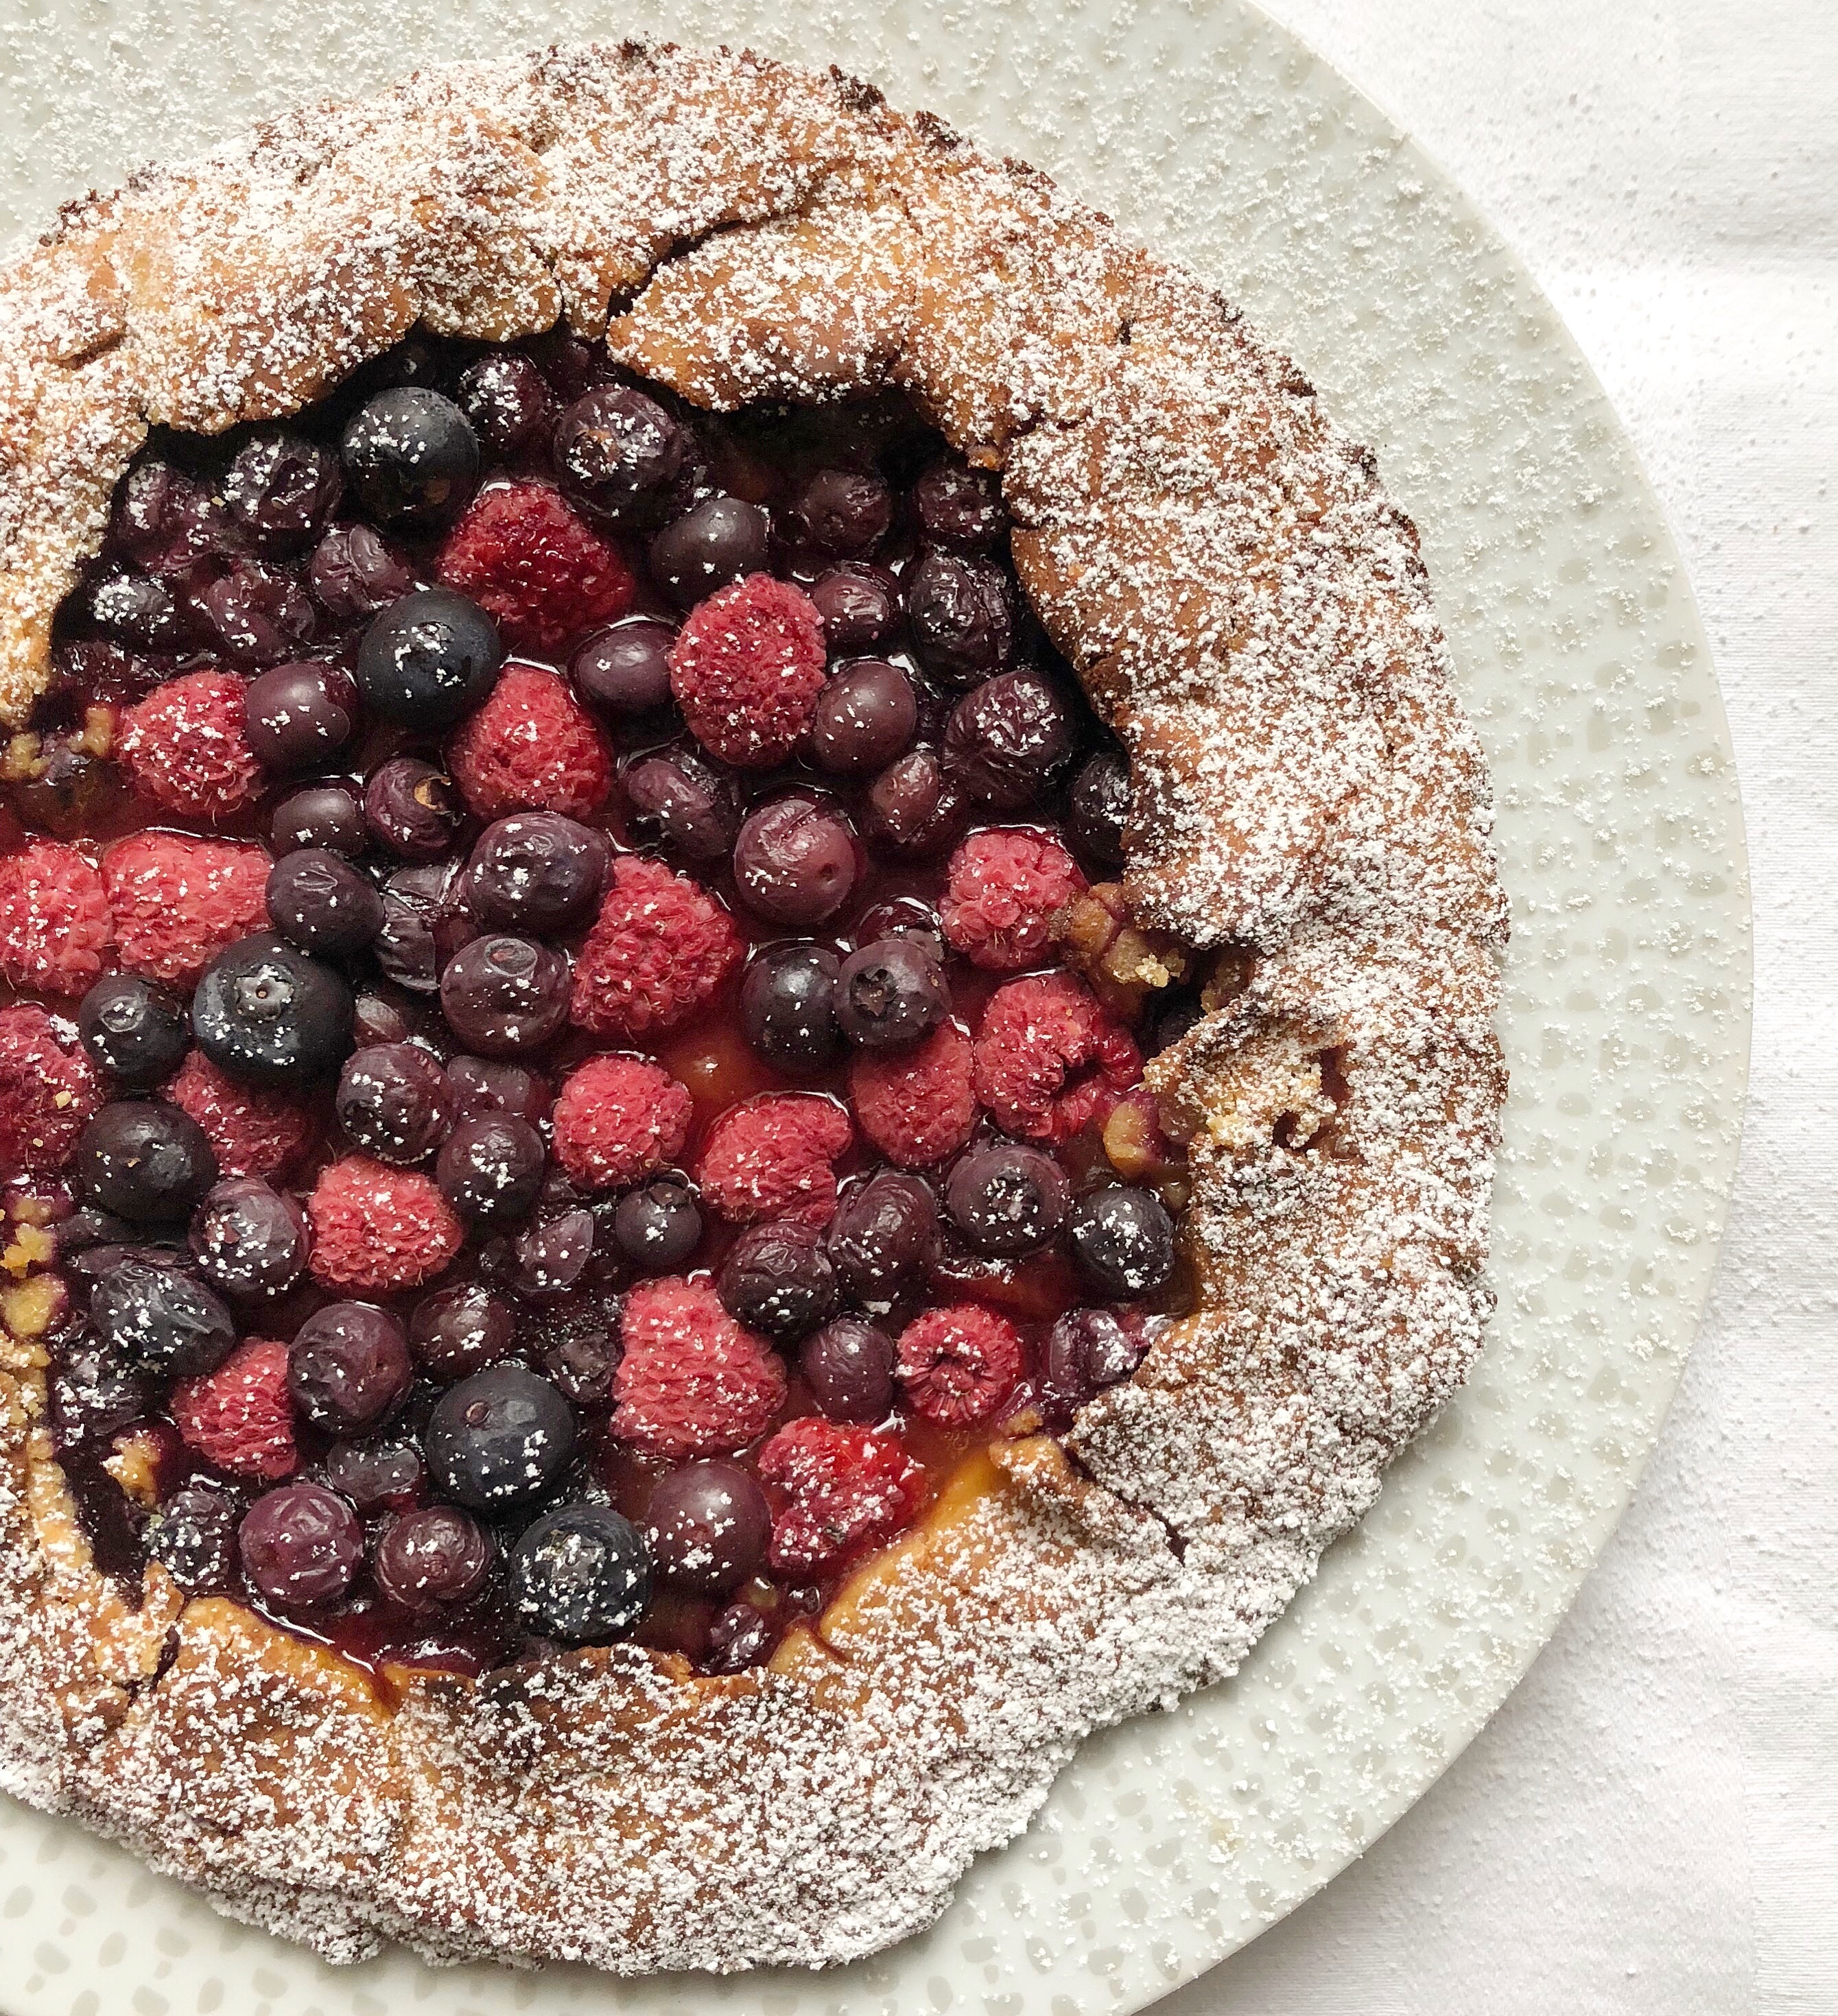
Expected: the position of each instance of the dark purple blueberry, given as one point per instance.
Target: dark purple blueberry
(550, 1255)
(860, 606)
(265, 1012)
(257, 614)
(457, 1331)
(619, 453)
(376, 1019)
(298, 716)
(842, 513)
(582, 1363)
(429, 659)
(718, 541)
(411, 457)
(138, 610)
(505, 996)
(395, 1102)
(497, 1440)
(193, 1535)
(788, 1010)
(1086, 1351)
(412, 808)
(958, 506)
(776, 1279)
(796, 860)
(915, 809)
(675, 800)
(146, 1161)
(658, 1226)
(349, 1367)
(570, 365)
(434, 1559)
(891, 995)
(582, 1574)
(707, 1526)
(961, 616)
(624, 672)
(1183, 1010)
(491, 1170)
(536, 872)
(507, 400)
(903, 917)
(381, 1475)
(1123, 1241)
(485, 1085)
(163, 520)
(87, 1226)
(122, 1243)
(1007, 741)
(1097, 804)
(866, 715)
(1007, 1199)
(281, 490)
(137, 1032)
(320, 815)
(94, 1391)
(161, 1321)
(300, 1546)
(425, 922)
(739, 1639)
(882, 1241)
(849, 1367)
(317, 901)
(354, 574)
(73, 793)
(250, 1241)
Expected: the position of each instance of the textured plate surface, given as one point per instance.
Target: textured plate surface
(1212, 134)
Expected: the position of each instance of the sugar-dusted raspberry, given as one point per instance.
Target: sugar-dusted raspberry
(691, 1381)
(1049, 1059)
(661, 948)
(618, 1119)
(746, 668)
(48, 1094)
(959, 1364)
(241, 1416)
(523, 553)
(531, 747)
(184, 747)
(178, 902)
(771, 1158)
(916, 1106)
(54, 919)
(375, 1228)
(255, 1133)
(1002, 889)
(850, 1490)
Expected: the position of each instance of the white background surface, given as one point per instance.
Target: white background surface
(1651, 1823)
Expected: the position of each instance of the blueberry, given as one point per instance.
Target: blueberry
(891, 995)
(582, 1362)
(491, 1169)
(708, 1526)
(317, 901)
(193, 1535)
(497, 1440)
(961, 615)
(776, 1279)
(94, 1391)
(866, 715)
(320, 815)
(485, 1085)
(796, 860)
(1086, 1351)
(300, 1546)
(281, 490)
(1097, 804)
(138, 611)
(676, 800)
(625, 671)
(254, 613)
(299, 715)
(658, 1227)
(395, 1102)
(550, 1255)
(507, 401)
(715, 543)
(915, 809)
(582, 1574)
(73, 794)
(161, 1321)
(843, 512)
(620, 453)
(429, 659)
(860, 605)
(411, 457)
(849, 1366)
(348, 1367)
(137, 1033)
(958, 506)
(1007, 741)
(903, 917)
(384, 1474)
(250, 1241)
(456, 1331)
(1007, 1199)
(1123, 1241)
(739, 1639)
(145, 1161)
(883, 1238)
(788, 1007)
(536, 872)
(504, 996)
(433, 1559)
(354, 574)
(265, 1012)
(425, 922)
(412, 808)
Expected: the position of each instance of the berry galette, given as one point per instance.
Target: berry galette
(746, 952)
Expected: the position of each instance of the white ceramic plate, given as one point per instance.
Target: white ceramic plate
(1211, 133)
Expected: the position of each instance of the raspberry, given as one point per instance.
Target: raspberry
(850, 1489)
(54, 919)
(746, 668)
(770, 1157)
(660, 949)
(48, 1095)
(959, 1364)
(1049, 1059)
(531, 747)
(691, 1382)
(185, 748)
(241, 1417)
(254, 1133)
(916, 1106)
(522, 553)
(617, 1119)
(178, 903)
(377, 1228)
(1002, 890)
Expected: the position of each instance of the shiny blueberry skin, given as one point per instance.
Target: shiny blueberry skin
(254, 613)
(582, 1362)
(796, 861)
(354, 574)
(915, 809)
(413, 458)
(864, 717)
(193, 1535)
(490, 1170)
(317, 901)
(860, 605)
(145, 1160)
(161, 1320)
(739, 1638)
(299, 716)
(412, 808)
(265, 1012)
(903, 917)
(300, 1546)
(891, 995)
(507, 400)
(707, 1526)
(961, 617)
(882, 1241)
(138, 1033)
(425, 922)
(844, 513)
(504, 996)
(582, 1575)
(138, 611)
(849, 1366)
(1097, 804)
(349, 1367)
(250, 1241)
(788, 1007)
(958, 506)
(536, 872)
(94, 1391)
(384, 1474)
(395, 1102)
(1123, 1241)
(624, 672)
(1086, 1351)
(658, 1226)
(677, 800)
(484, 1085)
(457, 1331)
(281, 490)
(551, 1254)
(329, 815)
(1007, 1199)
(619, 454)
(716, 542)
(434, 1559)
(496, 1441)
(429, 659)
(1008, 741)
(776, 1279)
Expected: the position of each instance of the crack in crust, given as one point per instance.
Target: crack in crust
(1251, 615)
